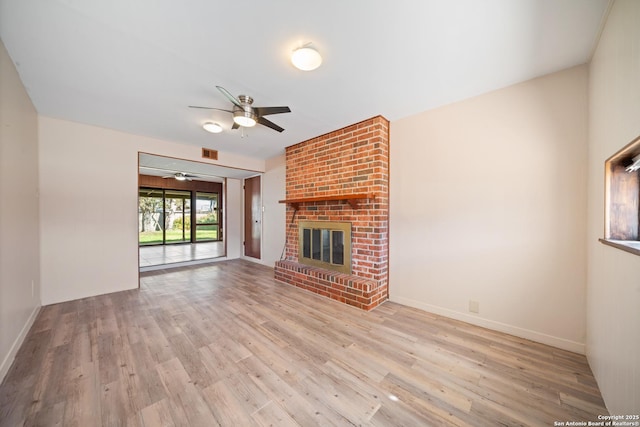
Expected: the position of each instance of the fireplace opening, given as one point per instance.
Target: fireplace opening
(325, 244)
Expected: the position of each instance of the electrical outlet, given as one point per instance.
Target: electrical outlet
(474, 306)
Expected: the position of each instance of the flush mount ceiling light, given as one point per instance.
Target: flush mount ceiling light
(306, 58)
(212, 127)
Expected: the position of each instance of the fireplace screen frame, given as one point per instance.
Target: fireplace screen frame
(331, 226)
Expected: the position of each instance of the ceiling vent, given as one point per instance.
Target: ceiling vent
(210, 154)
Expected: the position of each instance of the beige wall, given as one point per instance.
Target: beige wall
(274, 214)
(613, 284)
(19, 260)
(88, 201)
(488, 201)
(234, 216)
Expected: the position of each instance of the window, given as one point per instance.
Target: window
(622, 197)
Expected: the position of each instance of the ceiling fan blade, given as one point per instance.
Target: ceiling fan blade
(265, 111)
(235, 126)
(169, 176)
(269, 124)
(230, 97)
(210, 108)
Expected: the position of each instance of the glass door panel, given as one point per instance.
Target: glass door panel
(177, 217)
(150, 217)
(207, 217)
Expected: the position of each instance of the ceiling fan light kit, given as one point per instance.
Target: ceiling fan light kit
(306, 58)
(245, 118)
(212, 127)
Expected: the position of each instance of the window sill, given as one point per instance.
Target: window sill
(631, 246)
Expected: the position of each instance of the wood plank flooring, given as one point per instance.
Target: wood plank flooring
(225, 344)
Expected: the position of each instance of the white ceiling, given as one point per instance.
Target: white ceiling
(135, 65)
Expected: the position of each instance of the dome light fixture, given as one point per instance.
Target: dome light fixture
(212, 127)
(245, 118)
(306, 58)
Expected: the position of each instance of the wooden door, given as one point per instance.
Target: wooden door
(252, 217)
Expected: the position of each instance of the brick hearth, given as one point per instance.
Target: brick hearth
(352, 160)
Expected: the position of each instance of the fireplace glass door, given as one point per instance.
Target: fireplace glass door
(326, 245)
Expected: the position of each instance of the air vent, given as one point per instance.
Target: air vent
(208, 153)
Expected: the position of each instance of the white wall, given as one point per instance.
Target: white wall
(613, 283)
(274, 215)
(234, 216)
(487, 203)
(19, 259)
(88, 204)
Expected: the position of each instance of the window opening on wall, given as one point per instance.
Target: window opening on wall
(622, 199)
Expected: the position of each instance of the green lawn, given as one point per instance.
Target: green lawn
(153, 237)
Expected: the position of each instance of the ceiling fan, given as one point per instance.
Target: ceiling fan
(246, 115)
(180, 176)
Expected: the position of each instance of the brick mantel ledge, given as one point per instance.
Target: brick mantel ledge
(359, 292)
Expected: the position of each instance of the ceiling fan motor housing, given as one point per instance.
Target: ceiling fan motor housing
(245, 99)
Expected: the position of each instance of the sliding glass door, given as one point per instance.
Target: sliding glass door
(177, 216)
(150, 216)
(164, 216)
(207, 217)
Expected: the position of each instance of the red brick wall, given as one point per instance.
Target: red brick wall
(351, 160)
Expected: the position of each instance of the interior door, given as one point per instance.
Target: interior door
(252, 217)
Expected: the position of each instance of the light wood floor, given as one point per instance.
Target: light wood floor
(155, 255)
(227, 344)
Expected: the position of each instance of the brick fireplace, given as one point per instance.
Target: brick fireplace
(341, 177)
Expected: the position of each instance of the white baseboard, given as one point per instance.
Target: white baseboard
(8, 359)
(551, 340)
